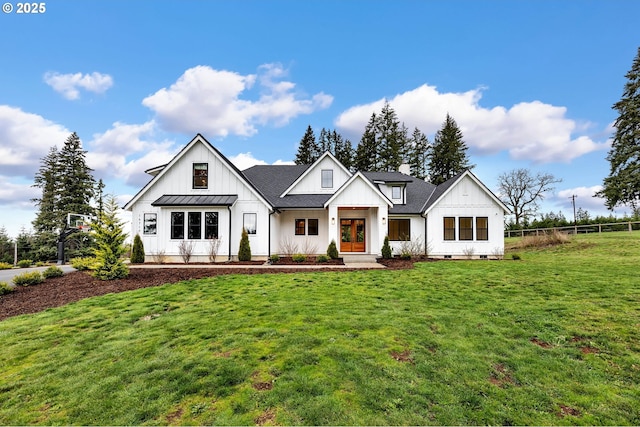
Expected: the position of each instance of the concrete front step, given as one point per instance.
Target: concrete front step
(359, 258)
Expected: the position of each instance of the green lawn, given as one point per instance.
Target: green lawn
(551, 339)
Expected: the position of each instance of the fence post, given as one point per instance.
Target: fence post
(630, 228)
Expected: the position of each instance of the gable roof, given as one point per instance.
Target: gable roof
(161, 170)
(313, 166)
(358, 175)
(443, 189)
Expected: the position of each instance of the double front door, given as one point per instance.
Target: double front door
(352, 235)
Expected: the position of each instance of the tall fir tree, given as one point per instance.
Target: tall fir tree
(391, 138)
(308, 151)
(48, 218)
(417, 157)
(342, 149)
(77, 184)
(448, 154)
(622, 186)
(366, 156)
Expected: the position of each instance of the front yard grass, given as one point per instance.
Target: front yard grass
(551, 339)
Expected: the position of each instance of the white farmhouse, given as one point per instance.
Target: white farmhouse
(200, 195)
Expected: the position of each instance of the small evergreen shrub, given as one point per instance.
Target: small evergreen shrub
(332, 250)
(5, 266)
(5, 288)
(24, 263)
(28, 279)
(516, 257)
(405, 255)
(81, 264)
(244, 253)
(137, 253)
(322, 258)
(274, 258)
(52, 271)
(299, 258)
(386, 249)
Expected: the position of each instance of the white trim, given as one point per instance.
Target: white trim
(367, 182)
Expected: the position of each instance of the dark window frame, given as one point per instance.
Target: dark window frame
(465, 231)
(397, 233)
(313, 226)
(194, 225)
(300, 225)
(482, 232)
(177, 225)
(449, 229)
(211, 223)
(200, 176)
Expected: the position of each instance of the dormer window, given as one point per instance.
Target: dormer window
(200, 175)
(396, 192)
(327, 178)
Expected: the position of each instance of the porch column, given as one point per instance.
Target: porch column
(334, 224)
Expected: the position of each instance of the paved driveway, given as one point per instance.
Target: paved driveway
(8, 275)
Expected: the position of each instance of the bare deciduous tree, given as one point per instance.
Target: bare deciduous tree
(521, 191)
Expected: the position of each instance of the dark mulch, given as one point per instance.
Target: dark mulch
(58, 291)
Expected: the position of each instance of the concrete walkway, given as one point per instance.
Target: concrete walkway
(351, 265)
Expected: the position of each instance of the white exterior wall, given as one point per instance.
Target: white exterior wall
(417, 228)
(312, 182)
(178, 179)
(466, 199)
(287, 233)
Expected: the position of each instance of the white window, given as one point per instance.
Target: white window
(396, 192)
(250, 222)
(327, 178)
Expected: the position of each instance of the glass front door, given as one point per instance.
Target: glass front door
(352, 235)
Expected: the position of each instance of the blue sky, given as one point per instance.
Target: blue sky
(530, 83)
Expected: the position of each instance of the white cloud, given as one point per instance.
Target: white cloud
(245, 160)
(69, 84)
(584, 199)
(532, 131)
(113, 153)
(209, 101)
(26, 138)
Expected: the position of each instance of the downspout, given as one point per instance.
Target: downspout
(229, 209)
(426, 244)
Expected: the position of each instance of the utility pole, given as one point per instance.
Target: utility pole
(575, 220)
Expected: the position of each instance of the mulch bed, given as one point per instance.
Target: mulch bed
(77, 285)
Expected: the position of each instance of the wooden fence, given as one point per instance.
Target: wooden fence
(575, 229)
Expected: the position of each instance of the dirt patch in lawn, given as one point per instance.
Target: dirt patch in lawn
(540, 343)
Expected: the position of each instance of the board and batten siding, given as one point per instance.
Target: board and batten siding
(311, 183)
(466, 199)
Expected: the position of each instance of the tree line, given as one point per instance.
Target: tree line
(386, 144)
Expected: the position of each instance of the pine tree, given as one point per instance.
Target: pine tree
(448, 154)
(308, 151)
(417, 157)
(49, 218)
(244, 252)
(342, 149)
(366, 158)
(6, 246)
(77, 185)
(622, 186)
(109, 238)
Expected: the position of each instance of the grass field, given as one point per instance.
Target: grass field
(551, 339)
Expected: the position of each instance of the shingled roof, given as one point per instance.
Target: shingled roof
(417, 191)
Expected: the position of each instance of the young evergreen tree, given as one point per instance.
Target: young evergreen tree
(137, 252)
(448, 154)
(622, 186)
(109, 243)
(6, 246)
(308, 151)
(366, 157)
(244, 252)
(417, 157)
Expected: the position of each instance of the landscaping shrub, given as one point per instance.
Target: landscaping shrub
(52, 271)
(405, 255)
(5, 288)
(516, 257)
(299, 258)
(332, 250)
(5, 266)
(28, 279)
(137, 253)
(386, 249)
(244, 253)
(274, 258)
(322, 258)
(81, 264)
(24, 263)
